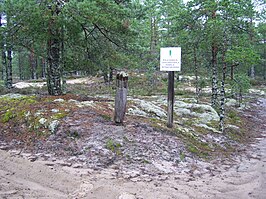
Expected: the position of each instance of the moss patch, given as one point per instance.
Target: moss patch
(7, 116)
(113, 146)
(26, 114)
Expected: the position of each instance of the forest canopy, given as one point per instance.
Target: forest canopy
(50, 38)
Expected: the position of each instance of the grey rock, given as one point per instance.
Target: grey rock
(12, 96)
(59, 100)
(54, 125)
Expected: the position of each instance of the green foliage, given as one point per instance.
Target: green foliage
(233, 117)
(106, 117)
(143, 86)
(11, 107)
(257, 82)
(180, 91)
(93, 34)
(243, 56)
(182, 156)
(113, 146)
(191, 148)
(197, 110)
(60, 115)
(3, 89)
(97, 34)
(7, 116)
(202, 83)
(29, 114)
(241, 83)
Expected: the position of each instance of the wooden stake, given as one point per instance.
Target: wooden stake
(170, 99)
(121, 97)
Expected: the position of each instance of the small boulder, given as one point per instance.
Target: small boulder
(42, 121)
(59, 100)
(231, 102)
(53, 126)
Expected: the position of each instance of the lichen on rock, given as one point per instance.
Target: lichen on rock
(53, 126)
(82, 104)
(59, 100)
(12, 96)
(204, 112)
(42, 121)
(230, 102)
(136, 111)
(143, 107)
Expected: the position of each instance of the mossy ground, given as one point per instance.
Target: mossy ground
(198, 139)
(20, 118)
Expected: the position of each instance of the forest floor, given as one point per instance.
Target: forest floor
(88, 156)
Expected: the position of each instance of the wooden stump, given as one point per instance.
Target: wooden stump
(121, 97)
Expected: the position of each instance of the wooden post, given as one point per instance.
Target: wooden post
(121, 97)
(170, 99)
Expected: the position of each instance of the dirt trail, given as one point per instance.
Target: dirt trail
(20, 178)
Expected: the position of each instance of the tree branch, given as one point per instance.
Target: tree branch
(105, 35)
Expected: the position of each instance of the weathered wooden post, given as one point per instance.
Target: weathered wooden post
(121, 97)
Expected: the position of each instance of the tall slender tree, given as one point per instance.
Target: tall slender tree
(2, 46)
(9, 47)
(54, 74)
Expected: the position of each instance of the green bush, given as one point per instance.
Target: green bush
(240, 83)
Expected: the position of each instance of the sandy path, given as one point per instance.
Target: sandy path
(25, 84)
(20, 178)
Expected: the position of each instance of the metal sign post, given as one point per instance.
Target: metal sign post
(170, 60)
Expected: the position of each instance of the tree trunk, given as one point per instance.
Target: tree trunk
(214, 76)
(214, 68)
(3, 52)
(121, 97)
(154, 39)
(9, 80)
(3, 68)
(251, 36)
(232, 67)
(53, 52)
(33, 64)
(111, 74)
(252, 72)
(240, 97)
(63, 61)
(53, 69)
(264, 62)
(20, 67)
(105, 77)
(43, 68)
(196, 73)
(232, 72)
(222, 113)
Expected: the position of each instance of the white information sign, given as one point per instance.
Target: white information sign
(170, 59)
